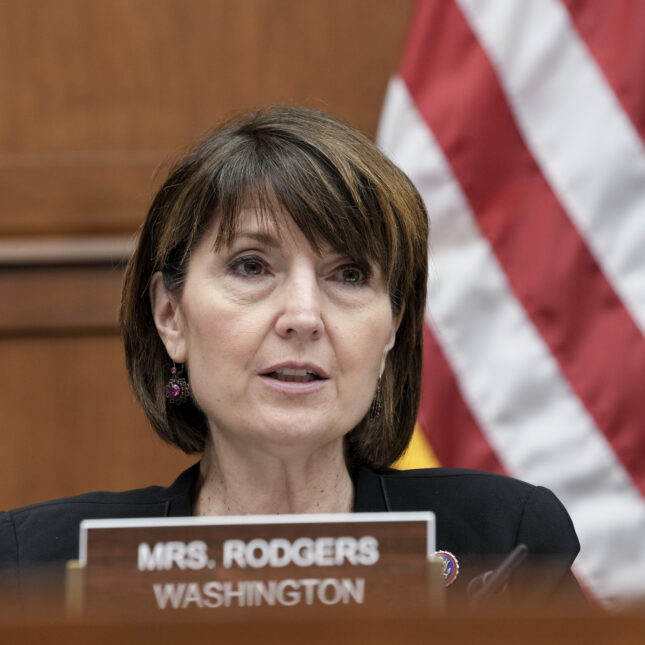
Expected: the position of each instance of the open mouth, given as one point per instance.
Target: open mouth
(292, 375)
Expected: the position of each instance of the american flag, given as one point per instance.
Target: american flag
(523, 126)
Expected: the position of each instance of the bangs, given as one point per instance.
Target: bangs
(327, 207)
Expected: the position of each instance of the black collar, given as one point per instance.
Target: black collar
(369, 492)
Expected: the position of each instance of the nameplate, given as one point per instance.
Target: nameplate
(254, 564)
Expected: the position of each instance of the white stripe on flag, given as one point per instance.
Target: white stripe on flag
(580, 136)
(526, 409)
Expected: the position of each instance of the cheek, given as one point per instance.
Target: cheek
(360, 360)
(363, 343)
(222, 343)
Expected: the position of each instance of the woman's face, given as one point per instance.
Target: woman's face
(284, 346)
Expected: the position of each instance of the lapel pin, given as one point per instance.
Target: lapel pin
(450, 566)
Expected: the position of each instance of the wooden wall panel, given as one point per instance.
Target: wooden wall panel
(72, 194)
(70, 422)
(98, 98)
(97, 93)
(62, 300)
(150, 74)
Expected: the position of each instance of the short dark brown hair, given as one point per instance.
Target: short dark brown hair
(339, 189)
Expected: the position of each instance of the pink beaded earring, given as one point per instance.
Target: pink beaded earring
(177, 388)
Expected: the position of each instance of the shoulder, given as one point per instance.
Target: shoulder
(431, 485)
(481, 517)
(483, 511)
(48, 532)
(418, 489)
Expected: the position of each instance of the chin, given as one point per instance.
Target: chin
(301, 436)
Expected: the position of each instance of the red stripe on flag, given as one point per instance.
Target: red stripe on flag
(614, 34)
(445, 418)
(599, 348)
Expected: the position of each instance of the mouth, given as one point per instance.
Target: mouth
(290, 375)
(296, 373)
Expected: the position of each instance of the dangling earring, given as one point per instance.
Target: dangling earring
(377, 402)
(177, 388)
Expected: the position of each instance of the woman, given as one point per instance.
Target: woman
(272, 318)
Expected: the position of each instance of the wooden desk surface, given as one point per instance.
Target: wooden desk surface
(491, 629)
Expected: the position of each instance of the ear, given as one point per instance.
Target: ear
(166, 313)
(396, 321)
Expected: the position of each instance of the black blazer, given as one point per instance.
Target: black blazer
(481, 517)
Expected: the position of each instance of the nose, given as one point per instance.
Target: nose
(300, 314)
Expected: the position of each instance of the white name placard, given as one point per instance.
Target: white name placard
(260, 564)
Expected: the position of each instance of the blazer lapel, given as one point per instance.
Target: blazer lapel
(369, 496)
(180, 493)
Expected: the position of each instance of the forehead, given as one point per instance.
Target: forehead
(269, 224)
(273, 221)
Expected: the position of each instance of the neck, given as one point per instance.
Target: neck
(238, 480)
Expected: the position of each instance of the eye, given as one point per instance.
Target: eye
(248, 265)
(351, 274)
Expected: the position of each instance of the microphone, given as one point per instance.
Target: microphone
(492, 582)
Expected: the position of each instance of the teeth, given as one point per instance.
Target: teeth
(291, 374)
(288, 371)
